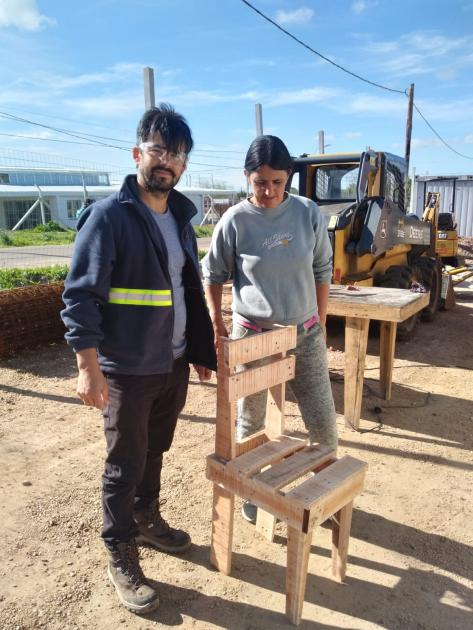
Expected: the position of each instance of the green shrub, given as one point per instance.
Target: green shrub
(12, 278)
(5, 238)
(50, 226)
(202, 231)
(21, 238)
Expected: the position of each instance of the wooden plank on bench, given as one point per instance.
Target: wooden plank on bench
(259, 378)
(339, 474)
(288, 470)
(264, 455)
(240, 351)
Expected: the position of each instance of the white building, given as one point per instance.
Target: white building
(59, 193)
(456, 196)
(211, 203)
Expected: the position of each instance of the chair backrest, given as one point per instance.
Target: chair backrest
(232, 385)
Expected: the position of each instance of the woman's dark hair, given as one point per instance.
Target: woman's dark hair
(268, 151)
(172, 126)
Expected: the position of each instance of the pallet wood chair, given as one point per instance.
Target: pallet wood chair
(264, 466)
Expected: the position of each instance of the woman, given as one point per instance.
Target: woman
(276, 248)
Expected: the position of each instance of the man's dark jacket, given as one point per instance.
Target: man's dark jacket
(118, 292)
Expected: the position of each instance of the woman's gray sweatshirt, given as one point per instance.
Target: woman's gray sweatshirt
(274, 256)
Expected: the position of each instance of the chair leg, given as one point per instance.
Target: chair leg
(298, 549)
(341, 525)
(222, 530)
(265, 524)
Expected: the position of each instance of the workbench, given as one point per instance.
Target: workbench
(358, 305)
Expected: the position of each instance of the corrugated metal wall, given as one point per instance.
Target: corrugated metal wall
(463, 206)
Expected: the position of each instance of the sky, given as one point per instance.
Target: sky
(78, 66)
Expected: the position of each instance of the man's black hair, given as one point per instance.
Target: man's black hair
(172, 126)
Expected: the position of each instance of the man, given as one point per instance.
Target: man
(136, 317)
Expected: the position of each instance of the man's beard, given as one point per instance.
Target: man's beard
(153, 183)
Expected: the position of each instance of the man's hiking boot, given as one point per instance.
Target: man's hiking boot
(124, 572)
(155, 531)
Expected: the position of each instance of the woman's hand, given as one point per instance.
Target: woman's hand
(220, 330)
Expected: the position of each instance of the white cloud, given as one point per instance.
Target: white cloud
(352, 135)
(308, 95)
(377, 105)
(359, 6)
(423, 52)
(424, 143)
(468, 139)
(22, 14)
(298, 16)
(113, 105)
(457, 109)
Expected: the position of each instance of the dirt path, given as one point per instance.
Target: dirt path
(411, 560)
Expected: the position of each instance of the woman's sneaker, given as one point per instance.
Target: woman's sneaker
(249, 511)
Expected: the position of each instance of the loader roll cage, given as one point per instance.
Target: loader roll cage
(341, 179)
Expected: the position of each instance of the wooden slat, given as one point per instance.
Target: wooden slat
(259, 378)
(283, 473)
(274, 422)
(225, 415)
(252, 441)
(331, 478)
(291, 513)
(240, 351)
(265, 455)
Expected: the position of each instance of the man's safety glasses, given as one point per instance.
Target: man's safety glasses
(157, 151)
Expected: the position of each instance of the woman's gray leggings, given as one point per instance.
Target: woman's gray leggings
(310, 385)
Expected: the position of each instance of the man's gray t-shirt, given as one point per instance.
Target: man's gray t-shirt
(176, 260)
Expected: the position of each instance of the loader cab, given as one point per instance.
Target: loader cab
(339, 180)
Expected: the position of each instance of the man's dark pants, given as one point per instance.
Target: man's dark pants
(139, 427)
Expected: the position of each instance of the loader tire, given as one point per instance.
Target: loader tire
(398, 277)
(430, 275)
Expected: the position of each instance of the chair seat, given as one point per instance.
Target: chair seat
(276, 476)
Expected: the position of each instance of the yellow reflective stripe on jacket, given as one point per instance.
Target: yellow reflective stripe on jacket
(140, 297)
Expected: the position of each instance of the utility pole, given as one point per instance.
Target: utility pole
(259, 119)
(148, 76)
(321, 142)
(410, 106)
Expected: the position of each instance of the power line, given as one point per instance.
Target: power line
(58, 130)
(15, 135)
(227, 166)
(353, 74)
(299, 41)
(86, 136)
(90, 144)
(468, 157)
